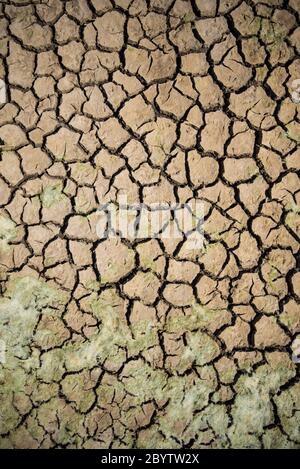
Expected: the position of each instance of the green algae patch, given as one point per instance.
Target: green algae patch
(151, 439)
(288, 405)
(273, 438)
(25, 299)
(145, 336)
(143, 382)
(52, 366)
(197, 317)
(186, 397)
(8, 232)
(52, 195)
(107, 346)
(203, 348)
(292, 218)
(253, 411)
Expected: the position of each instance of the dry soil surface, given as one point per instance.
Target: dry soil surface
(142, 342)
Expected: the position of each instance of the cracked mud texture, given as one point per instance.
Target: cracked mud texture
(141, 343)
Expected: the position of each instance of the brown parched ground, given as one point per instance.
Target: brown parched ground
(145, 343)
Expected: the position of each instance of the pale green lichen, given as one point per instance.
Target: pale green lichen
(288, 404)
(24, 300)
(187, 414)
(188, 17)
(197, 317)
(216, 418)
(8, 232)
(187, 396)
(20, 307)
(253, 410)
(144, 337)
(52, 365)
(273, 34)
(143, 382)
(203, 348)
(273, 438)
(52, 195)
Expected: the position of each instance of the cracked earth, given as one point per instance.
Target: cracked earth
(142, 343)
